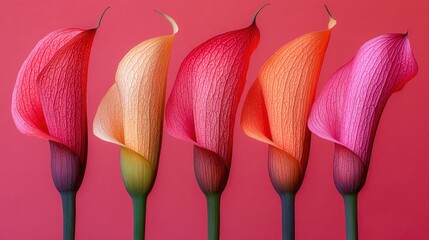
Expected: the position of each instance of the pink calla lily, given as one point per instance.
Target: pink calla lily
(49, 102)
(348, 110)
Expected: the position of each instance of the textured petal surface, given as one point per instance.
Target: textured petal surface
(132, 111)
(279, 102)
(141, 79)
(49, 99)
(203, 103)
(254, 116)
(204, 99)
(349, 108)
(26, 107)
(108, 121)
(63, 93)
(278, 105)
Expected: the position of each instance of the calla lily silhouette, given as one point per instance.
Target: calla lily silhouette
(203, 104)
(49, 102)
(276, 110)
(349, 108)
(131, 115)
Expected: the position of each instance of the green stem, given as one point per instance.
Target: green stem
(213, 213)
(139, 206)
(288, 215)
(350, 203)
(69, 214)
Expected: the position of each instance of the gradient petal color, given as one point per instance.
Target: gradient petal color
(349, 108)
(278, 104)
(203, 103)
(49, 101)
(131, 113)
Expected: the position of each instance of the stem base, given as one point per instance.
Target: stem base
(69, 214)
(213, 213)
(350, 204)
(139, 208)
(288, 215)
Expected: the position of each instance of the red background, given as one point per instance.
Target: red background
(393, 204)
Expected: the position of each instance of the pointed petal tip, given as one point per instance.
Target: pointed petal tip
(170, 20)
(257, 12)
(332, 21)
(405, 34)
(101, 17)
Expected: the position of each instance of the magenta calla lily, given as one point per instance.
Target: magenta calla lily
(348, 110)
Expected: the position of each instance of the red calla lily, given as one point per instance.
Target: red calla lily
(203, 104)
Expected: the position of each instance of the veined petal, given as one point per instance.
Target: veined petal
(278, 104)
(254, 116)
(349, 108)
(63, 93)
(203, 103)
(289, 80)
(108, 121)
(141, 79)
(49, 98)
(281, 98)
(26, 107)
(131, 113)
(204, 99)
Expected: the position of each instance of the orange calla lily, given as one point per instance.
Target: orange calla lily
(131, 115)
(276, 111)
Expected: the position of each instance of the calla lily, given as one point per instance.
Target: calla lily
(349, 108)
(131, 116)
(49, 102)
(276, 110)
(202, 107)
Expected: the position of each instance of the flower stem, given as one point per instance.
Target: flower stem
(350, 203)
(139, 206)
(288, 215)
(213, 213)
(69, 214)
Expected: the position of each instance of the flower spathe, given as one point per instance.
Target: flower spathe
(131, 113)
(203, 103)
(202, 107)
(348, 109)
(276, 110)
(49, 101)
(131, 116)
(278, 104)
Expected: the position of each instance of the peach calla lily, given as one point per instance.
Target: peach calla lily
(276, 110)
(202, 107)
(349, 108)
(131, 116)
(49, 102)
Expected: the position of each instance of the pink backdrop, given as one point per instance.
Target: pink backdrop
(393, 204)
